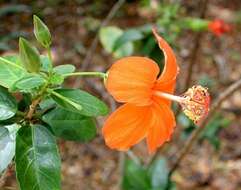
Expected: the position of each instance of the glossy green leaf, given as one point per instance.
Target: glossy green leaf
(41, 32)
(135, 177)
(11, 70)
(108, 38)
(37, 159)
(8, 104)
(30, 82)
(29, 56)
(7, 145)
(91, 106)
(64, 69)
(47, 103)
(70, 126)
(158, 173)
(127, 36)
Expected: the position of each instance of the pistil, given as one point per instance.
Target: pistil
(195, 102)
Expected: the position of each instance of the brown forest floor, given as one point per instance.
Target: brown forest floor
(93, 166)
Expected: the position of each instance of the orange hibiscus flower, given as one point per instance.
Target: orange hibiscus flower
(147, 97)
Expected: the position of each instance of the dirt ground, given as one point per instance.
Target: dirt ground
(94, 166)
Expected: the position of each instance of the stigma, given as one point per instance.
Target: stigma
(195, 102)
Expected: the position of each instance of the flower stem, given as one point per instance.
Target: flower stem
(49, 54)
(97, 74)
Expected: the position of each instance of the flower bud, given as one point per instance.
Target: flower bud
(41, 32)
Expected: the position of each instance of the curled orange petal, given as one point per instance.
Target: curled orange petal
(131, 80)
(171, 68)
(126, 126)
(162, 123)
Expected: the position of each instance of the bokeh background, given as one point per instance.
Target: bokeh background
(215, 162)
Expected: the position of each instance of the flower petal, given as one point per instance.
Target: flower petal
(161, 126)
(171, 68)
(167, 87)
(126, 126)
(131, 80)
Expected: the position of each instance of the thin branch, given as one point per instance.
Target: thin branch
(94, 44)
(32, 108)
(197, 41)
(194, 137)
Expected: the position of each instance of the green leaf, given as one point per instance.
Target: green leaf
(127, 36)
(46, 64)
(56, 79)
(7, 145)
(11, 70)
(37, 159)
(91, 106)
(64, 69)
(29, 56)
(70, 126)
(8, 104)
(41, 32)
(30, 82)
(135, 177)
(158, 173)
(108, 38)
(47, 103)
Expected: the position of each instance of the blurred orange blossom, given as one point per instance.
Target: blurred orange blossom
(219, 27)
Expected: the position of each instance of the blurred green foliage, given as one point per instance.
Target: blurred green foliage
(155, 177)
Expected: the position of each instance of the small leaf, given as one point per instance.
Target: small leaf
(127, 36)
(8, 104)
(46, 64)
(91, 106)
(41, 32)
(56, 79)
(29, 56)
(30, 82)
(37, 159)
(135, 177)
(11, 70)
(108, 38)
(70, 126)
(7, 145)
(64, 69)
